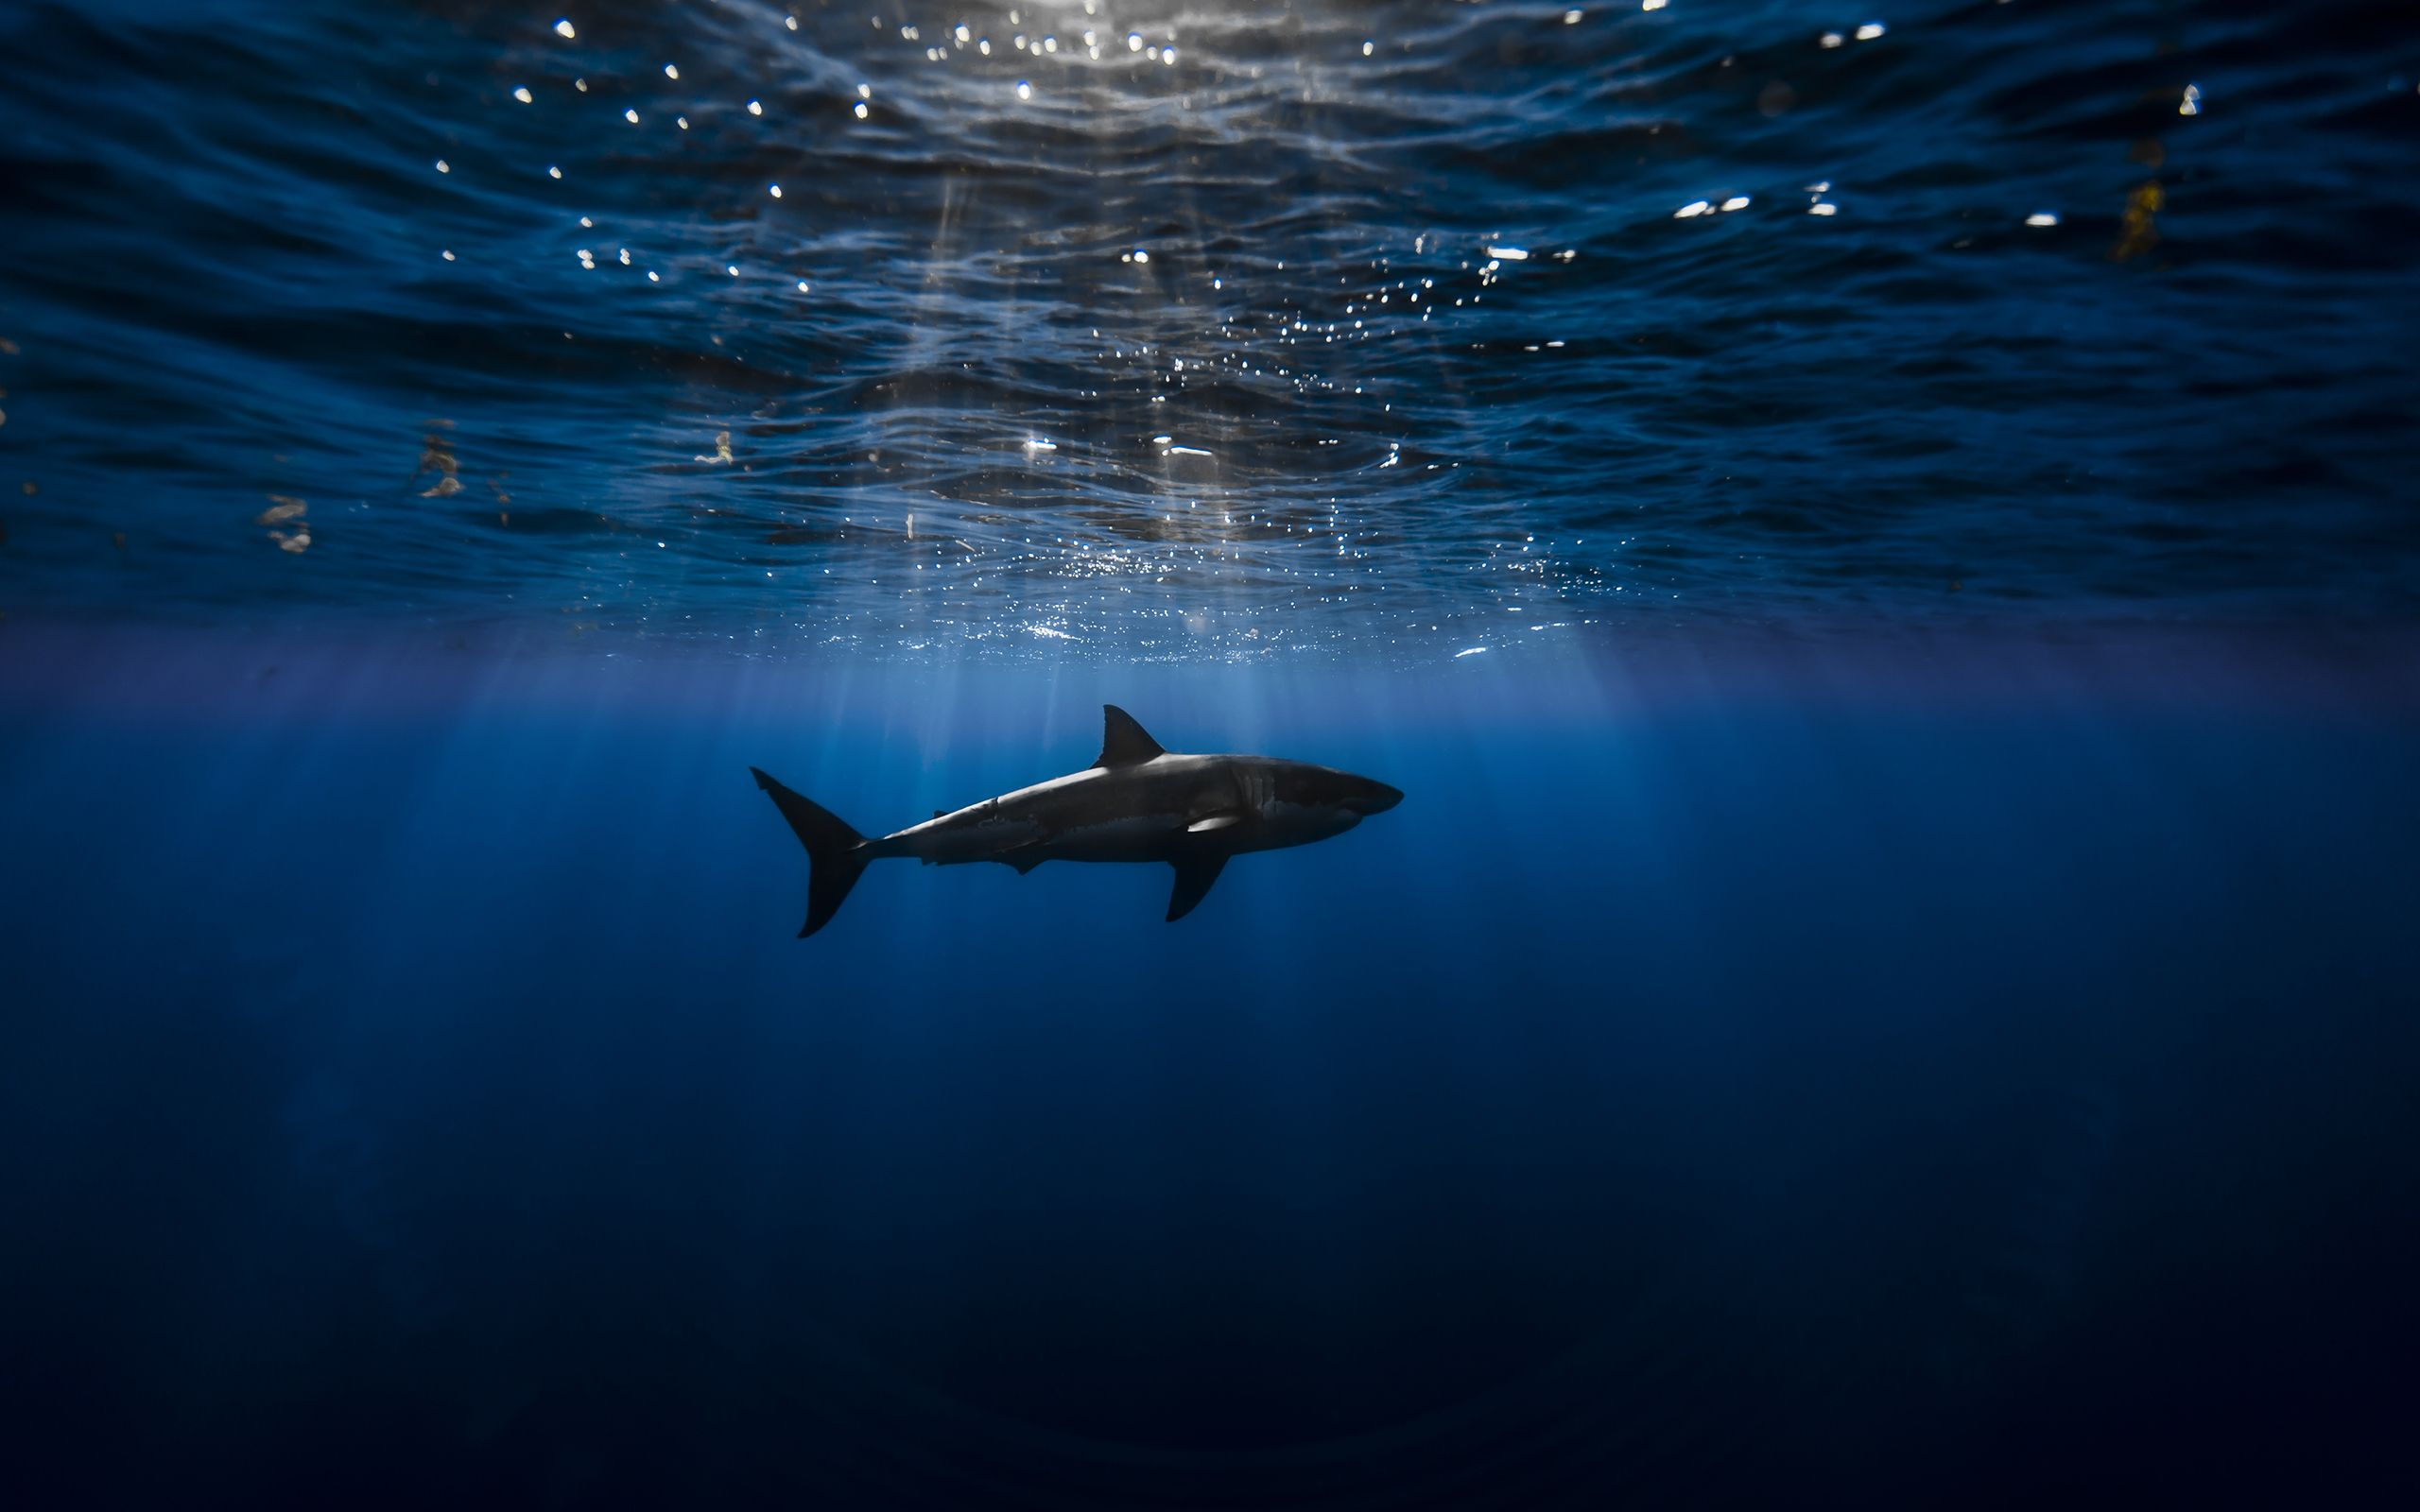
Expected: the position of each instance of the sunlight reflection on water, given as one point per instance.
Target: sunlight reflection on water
(1353, 326)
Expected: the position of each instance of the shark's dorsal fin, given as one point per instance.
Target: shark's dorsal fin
(1124, 742)
(1194, 875)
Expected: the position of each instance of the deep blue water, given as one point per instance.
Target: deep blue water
(1894, 982)
(1952, 1077)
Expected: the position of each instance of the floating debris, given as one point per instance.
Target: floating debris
(436, 455)
(2137, 234)
(722, 450)
(281, 509)
(298, 542)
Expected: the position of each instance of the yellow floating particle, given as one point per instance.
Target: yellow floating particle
(2137, 234)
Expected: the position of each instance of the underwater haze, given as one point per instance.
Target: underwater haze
(1879, 548)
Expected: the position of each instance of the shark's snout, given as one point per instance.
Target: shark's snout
(1376, 797)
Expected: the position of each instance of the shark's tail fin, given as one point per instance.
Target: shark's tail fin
(836, 855)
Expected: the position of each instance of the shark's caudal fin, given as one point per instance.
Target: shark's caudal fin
(836, 855)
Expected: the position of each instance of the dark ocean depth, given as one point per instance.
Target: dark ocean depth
(1879, 548)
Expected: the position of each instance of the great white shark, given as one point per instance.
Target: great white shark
(1137, 802)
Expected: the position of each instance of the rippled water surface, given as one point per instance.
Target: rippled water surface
(1188, 329)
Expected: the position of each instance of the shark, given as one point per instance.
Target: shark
(1137, 802)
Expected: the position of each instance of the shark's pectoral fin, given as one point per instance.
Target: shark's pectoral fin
(1214, 824)
(1194, 875)
(1024, 861)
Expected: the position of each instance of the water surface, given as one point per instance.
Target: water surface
(1397, 327)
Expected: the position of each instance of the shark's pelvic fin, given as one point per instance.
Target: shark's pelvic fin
(836, 855)
(1123, 743)
(1024, 860)
(1194, 875)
